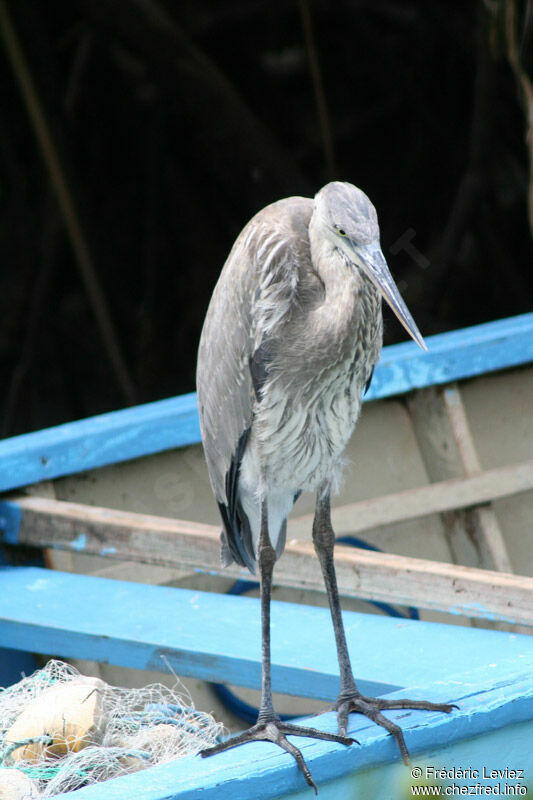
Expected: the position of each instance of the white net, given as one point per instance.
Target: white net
(101, 732)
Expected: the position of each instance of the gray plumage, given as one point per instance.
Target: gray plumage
(290, 340)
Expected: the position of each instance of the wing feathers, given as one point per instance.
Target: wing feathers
(256, 292)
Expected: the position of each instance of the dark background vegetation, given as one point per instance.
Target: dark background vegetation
(172, 123)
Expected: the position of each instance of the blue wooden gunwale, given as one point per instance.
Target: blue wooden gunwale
(80, 616)
(218, 637)
(166, 424)
(262, 770)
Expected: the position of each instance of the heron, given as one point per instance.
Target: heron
(289, 343)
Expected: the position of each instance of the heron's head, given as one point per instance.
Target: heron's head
(349, 220)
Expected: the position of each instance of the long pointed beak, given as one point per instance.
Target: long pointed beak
(372, 261)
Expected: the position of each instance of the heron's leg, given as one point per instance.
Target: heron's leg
(267, 559)
(269, 727)
(324, 541)
(350, 699)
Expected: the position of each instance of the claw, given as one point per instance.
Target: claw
(342, 718)
(371, 707)
(276, 731)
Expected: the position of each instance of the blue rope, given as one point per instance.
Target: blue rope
(249, 713)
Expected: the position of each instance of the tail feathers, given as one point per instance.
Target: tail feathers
(236, 539)
(236, 536)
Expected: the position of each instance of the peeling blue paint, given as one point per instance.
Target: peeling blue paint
(38, 585)
(10, 517)
(79, 544)
(476, 610)
(108, 551)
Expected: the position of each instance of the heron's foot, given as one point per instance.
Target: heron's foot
(372, 707)
(276, 731)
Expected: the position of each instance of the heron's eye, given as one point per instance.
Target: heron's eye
(340, 231)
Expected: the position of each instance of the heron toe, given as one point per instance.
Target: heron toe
(276, 731)
(372, 707)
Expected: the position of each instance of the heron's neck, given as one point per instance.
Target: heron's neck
(350, 309)
(342, 283)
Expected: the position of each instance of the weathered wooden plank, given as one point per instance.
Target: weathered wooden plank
(433, 585)
(437, 446)
(435, 498)
(376, 576)
(485, 520)
(166, 424)
(448, 449)
(350, 518)
(54, 558)
(447, 446)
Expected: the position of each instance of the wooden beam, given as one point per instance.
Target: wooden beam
(375, 576)
(442, 428)
(54, 558)
(435, 498)
(433, 585)
(448, 449)
(485, 520)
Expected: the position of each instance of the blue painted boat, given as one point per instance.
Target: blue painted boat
(101, 497)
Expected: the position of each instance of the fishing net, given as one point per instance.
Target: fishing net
(65, 731)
